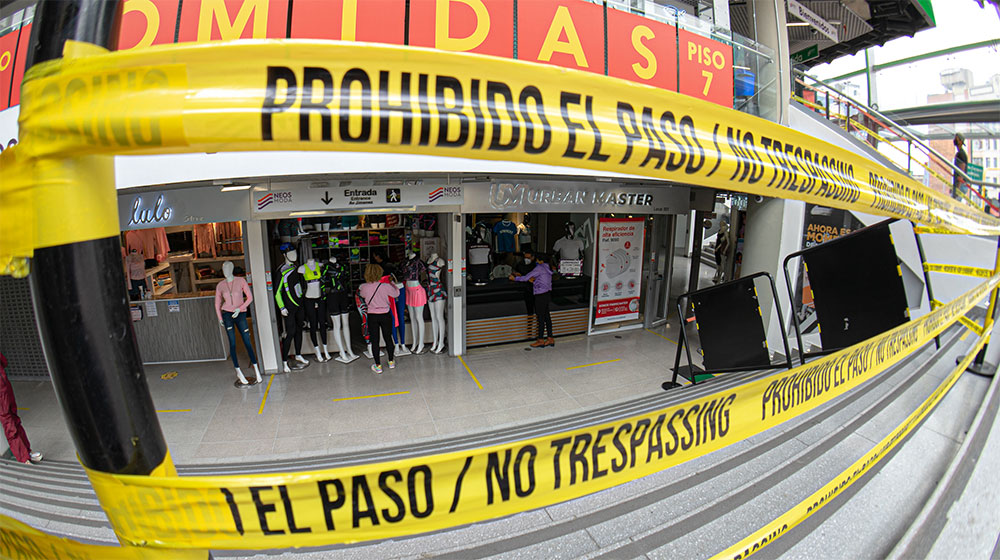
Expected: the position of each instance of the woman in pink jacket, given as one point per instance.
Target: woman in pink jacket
(377, 294)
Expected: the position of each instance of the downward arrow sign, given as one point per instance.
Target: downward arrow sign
(326, 198)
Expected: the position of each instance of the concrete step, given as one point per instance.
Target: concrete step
(734, 491)
(693, 510)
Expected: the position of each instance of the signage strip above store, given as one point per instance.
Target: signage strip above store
(317, 198)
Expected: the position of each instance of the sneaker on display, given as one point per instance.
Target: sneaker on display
(35, 457)
(376, 368)
(392, 364)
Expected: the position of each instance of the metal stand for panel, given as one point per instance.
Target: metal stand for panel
(691, 371)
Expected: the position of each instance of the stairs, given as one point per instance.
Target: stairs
(691, 511)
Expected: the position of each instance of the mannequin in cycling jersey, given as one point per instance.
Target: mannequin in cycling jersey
(338, 306)
(315, 307)
(289, 297)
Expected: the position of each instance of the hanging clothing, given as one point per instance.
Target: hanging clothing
(399, 331)
(152, 243)
(435, 288)
(505, 232)
(204, 239)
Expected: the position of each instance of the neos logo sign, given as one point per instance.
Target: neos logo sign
(284, 197)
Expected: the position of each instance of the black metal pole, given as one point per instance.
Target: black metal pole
(698, 231)
(82, 308)
(81, 303)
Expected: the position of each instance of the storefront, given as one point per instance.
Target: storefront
(174, 245)
(455, 241)
(608, 244)
(321, 235)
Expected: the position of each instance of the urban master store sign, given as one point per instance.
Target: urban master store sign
(307, 197)
(553, 196)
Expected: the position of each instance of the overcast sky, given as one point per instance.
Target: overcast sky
(959, 22)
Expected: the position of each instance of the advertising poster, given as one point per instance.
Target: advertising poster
(619, 274)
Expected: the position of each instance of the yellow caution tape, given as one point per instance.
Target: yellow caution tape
(420, 494)
(775, 529)
(971, 325)
(254, 95)
(936, 230)
(959, 270)
(18, 540)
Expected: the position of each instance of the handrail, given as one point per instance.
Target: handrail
(909, 135)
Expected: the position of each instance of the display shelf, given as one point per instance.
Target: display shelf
(208, 281)
(160, 290)
(218, 259)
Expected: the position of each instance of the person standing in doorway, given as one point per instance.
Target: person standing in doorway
(541, 286)
(376, 293)
(958, 184)
(16, 437)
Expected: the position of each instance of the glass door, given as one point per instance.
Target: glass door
(661, 242)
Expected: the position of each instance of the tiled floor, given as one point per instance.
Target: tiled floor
(206, 419)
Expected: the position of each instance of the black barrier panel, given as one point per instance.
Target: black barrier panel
(730, 327)
(857, 287)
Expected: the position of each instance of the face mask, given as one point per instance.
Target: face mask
(527, 261)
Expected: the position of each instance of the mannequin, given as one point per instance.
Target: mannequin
(416, 298)
(478, 254)
(232, 298)
(437, 296)
(288, 296)
(338, 306)
(315, 307)
(568, 247)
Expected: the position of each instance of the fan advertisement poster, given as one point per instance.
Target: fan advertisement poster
(619, 274)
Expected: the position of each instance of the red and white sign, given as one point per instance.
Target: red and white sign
(619, 275)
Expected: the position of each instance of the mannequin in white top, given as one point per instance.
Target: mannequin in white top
(568, 246)
(315, 307)
(337, 302)
(437, 302)
(416, 299)
(230, 285)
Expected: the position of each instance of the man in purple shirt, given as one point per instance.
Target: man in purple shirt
(541, 286)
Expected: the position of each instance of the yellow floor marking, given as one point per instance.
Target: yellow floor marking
(661, 336)
(266, 391)
(371, 396)
(176, 410)
(965, 335)
(596, 363)
(470, 373)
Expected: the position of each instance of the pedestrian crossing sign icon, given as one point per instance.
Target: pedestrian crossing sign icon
(393, 195)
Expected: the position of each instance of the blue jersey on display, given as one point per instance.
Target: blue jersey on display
(505, 232)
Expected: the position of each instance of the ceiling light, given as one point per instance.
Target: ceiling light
(236, 188)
